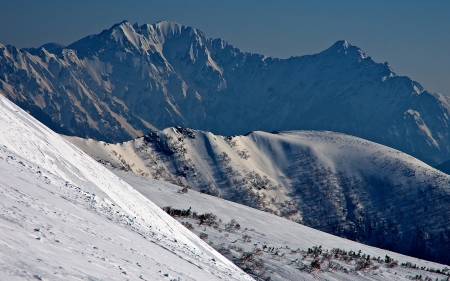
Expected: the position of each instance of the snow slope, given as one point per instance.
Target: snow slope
(65, 217)
(333, 182)
(288, 260)
(129, 80)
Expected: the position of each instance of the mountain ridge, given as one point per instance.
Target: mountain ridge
(65, 217)
(339, 184)
(130, 80)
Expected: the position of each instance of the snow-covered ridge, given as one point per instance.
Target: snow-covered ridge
(53, 191)
(280, 245)
(131, 79)
(333, 182)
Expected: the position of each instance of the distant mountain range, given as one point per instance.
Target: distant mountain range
(329, 181)
(130, 80)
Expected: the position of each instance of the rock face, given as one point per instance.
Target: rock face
(129, 80)
(329, 181)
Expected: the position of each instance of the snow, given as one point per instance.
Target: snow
(168, 74)
(65, 217)
(273, 231)
(423, 127)
(333, 182)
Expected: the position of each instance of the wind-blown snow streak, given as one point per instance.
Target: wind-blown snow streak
(53, 193)
(333, 182)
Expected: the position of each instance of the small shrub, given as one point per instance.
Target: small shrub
(315, 251)
(362, 264)
(208, 219)
(315, 264)
(387, 259)
(257, 251)
(232, 226)
(188, 225)
(246, 238)
(177, 212)
(390, 262)
(249, 262)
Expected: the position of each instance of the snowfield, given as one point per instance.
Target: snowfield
(340, 184)
(285, 256)
(63, 216)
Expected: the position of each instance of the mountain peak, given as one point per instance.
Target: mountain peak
(168, 28)
(342, 44)
(124, 22)
(169, 74)
(120, 24)
(167, 23)
(343, 48)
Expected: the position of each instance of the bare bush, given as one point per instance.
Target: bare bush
(208, 219)
(188, 225)
(232, 226)
(246, 238)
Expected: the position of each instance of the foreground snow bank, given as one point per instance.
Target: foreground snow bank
(64, 216)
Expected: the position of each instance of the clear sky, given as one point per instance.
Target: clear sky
(412, 36)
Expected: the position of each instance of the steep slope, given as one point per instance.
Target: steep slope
(65, 217)
(285, 250)
(129, 79)
(333, 182)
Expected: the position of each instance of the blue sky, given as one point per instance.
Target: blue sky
(412, 36)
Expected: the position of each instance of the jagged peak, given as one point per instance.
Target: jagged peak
(122, 27)
(343, 47)
(168, 24)
(167, 29)
(122, 23)
(341, 44)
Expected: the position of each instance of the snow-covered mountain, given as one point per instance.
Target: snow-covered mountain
(131, 79)
(64, 216)
(277, 248)
(333, 182)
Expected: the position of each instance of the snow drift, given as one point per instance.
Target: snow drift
(64, 216)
